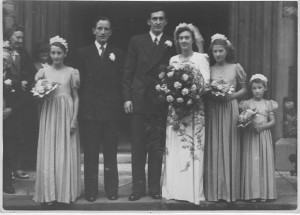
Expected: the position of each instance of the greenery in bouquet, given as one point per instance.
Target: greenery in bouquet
(43, 87)
(246, 117)
(180, 86)
(219, 89)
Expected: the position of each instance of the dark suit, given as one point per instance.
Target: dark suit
(100, 110)
(23, 69)
(11, 126)
(149, 116)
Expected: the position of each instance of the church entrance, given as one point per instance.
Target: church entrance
(129, 18)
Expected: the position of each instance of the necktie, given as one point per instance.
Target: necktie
(156, 41)
(102, 51)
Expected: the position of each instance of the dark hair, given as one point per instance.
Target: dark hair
(60, 46)
(40, 47)
(10, 31)
(155, 9)
(102, 18)
(183, 29)
(228, 47)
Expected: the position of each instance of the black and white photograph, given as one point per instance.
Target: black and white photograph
(149, 106)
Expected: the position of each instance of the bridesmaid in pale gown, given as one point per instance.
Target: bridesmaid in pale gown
(183, 170)
(58, 158)
(222, 150)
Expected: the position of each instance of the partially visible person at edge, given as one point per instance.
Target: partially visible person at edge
(23, 70)
(11, 106)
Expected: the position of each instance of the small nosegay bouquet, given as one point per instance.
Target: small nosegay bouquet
(43, 87)
(246, 117)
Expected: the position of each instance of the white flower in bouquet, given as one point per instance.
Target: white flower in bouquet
(193, 88)
(189, 102)
(8, 82)
(179, 100)
(158, 88)
(185, 91)
(161, 75)
(177, 85)
(185, 77)
(170, 98)
(166, 90)
(170, 74)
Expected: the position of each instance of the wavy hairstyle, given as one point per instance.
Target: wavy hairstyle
(228, 47)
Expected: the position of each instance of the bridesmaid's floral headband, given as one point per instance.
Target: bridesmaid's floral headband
(260, 77)
(60, 40)
(220, 37)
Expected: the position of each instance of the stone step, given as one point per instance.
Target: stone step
(124, 157)
(22, 200)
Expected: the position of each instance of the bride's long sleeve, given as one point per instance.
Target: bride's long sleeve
(204, 68)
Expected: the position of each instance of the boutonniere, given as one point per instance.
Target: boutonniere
(8, 84)
(112, 56)
(168, 43)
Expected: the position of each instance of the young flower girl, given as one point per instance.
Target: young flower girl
(258, 169)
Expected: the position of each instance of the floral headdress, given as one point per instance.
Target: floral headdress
(260, 77)
(220, 37)
(60, 40)
(199, 39)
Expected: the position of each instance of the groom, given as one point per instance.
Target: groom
(101, 66)
(146, 53)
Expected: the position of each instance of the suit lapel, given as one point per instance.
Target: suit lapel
(94, 58)
(147, 45)
(158, 53)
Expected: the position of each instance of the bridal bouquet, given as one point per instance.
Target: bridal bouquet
(180, 86)
(219, 89)
(43, 87)
(246, 117)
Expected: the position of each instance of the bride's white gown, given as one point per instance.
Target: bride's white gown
(183, 167)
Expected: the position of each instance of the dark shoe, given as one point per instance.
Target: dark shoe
(112, 197)
(8, 189)
(155, 195)
(135, 196)
(91, 198)
(20, 174)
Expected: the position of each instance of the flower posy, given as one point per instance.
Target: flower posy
(58, 39)
(43, 87)
(112, 57)
(8, 82)
(246, 117)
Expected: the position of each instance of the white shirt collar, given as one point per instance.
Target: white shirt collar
(98, 45)
(153, 36)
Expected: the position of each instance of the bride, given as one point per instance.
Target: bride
(183, 170)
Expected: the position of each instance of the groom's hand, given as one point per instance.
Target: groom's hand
(128, 107)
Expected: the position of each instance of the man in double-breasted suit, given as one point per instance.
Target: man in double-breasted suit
(146, 53)
(100, 66)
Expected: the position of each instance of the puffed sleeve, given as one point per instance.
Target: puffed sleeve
(244, 105)
(204, 68)
(75, 79)
(240, 74)
(40, 74)
(272, 106)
